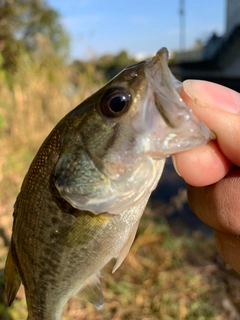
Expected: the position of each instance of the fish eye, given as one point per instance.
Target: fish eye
(115, 102)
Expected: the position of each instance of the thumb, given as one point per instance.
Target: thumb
(218, 107)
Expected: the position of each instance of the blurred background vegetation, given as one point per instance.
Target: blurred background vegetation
(171, 271)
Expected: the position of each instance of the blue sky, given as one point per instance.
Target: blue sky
(141, 27)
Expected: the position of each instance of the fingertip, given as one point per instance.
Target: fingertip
(212, 95)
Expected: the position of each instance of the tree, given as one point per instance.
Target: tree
(111, 65)
(21, 23)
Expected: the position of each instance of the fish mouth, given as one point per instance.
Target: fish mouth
(172, 124)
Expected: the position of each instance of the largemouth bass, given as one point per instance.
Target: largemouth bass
(84, 194)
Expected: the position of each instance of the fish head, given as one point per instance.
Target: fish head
(120, 136)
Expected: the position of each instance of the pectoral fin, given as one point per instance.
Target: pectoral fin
(91, 291)
(12, 279)
(123, 253)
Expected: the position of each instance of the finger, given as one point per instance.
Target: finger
(208, 101)
(225, 125)
(211, 95)
(214, 105)
(228, 246)
(203, 165)
(218, 205)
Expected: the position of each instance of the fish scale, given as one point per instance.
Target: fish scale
(84, 194)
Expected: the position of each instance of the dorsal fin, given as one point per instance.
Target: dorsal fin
(125, 249)
(12, 279)
(91, 291)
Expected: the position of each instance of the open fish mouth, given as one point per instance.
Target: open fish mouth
(172, 124)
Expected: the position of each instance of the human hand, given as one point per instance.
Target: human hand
(212, 171)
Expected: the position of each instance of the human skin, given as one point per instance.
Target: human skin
(212, 171)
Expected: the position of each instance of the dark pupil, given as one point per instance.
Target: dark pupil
(117, 104)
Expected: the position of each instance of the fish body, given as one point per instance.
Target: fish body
(84, 194)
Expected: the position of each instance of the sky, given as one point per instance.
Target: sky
(141, 27)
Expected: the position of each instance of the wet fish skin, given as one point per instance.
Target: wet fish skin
(86, 189)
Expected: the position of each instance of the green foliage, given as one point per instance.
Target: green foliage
(40, 19)
(112, 65)
(25, 25)
(85, 70)
(100, 70)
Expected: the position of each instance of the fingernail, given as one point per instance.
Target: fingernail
(212, 95)
(174, 162)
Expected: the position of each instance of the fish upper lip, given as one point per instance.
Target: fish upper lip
(165, 87)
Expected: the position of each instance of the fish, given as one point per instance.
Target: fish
(87, 187)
